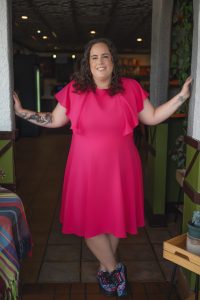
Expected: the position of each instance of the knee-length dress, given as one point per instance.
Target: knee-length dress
(102, 188)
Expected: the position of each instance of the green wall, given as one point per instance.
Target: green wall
(7, 164)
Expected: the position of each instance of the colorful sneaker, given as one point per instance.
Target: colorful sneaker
(106, 285)
(119, 278)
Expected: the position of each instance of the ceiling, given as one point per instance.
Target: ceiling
(67, 24)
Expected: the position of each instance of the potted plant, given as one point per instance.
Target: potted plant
(193, 234)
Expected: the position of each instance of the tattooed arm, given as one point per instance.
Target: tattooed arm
(57, 118)
(153, 116)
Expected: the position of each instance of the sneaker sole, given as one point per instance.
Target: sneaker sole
(106, 293)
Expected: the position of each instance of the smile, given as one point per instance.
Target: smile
(101, 69)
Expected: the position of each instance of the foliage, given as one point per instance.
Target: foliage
(178, 153)
(181, 46)
(182, 26)
(196, 218)
(181, 43)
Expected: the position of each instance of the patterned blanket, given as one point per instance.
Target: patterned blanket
(15, 242)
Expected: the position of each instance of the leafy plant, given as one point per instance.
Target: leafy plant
(181, 49)
(178, 152)
(181, 43)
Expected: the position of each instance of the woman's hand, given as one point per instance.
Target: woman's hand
(185, 91)
(17, 103)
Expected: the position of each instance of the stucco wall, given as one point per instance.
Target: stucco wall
(6, 106)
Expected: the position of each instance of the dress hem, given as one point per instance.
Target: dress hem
(103, 232)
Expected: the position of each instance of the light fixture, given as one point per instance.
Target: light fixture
(38, 31)
(73, 56)
(54, 34)
(139, 40)
(54, 55)
(24, 17)
(45, 37)
(93, 32)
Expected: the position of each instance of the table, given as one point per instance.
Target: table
(15, 242)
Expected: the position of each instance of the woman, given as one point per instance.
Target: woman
(102, 192)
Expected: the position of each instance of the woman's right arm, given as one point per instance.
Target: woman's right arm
(54, 119)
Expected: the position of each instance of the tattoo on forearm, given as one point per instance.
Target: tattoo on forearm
(41, 119)
(182, 99)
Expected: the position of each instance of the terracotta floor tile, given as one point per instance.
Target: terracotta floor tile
(89, 271)
(140, 238)
(62, 288)
(136, 296)
(60, 272)
(92, 288)
(57, 237)
(30, 288)
(78, 288)
(142, 271)
(39, 238)
(167, 268)
(38, 297)
(137, 288)
(136, 252)
(158, 235)
(152, 288)
(77, 297)
(99, 297)
(158, 248)
(86, 254)
(29, 272)
(62, 253)
(37, 253)
(62, 297)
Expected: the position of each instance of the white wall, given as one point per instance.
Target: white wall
(6, 105)
(194, 108)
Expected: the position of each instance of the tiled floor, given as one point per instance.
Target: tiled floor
(61, 266)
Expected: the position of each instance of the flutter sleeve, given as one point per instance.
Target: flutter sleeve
(64, 97)
(132, 101)
(140, 95)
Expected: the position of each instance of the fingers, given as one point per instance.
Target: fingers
(189, 80)
(15, 95)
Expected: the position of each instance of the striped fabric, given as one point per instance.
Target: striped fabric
(15, 242)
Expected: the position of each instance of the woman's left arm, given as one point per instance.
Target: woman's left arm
(153, 116)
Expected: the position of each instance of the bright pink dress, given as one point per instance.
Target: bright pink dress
(102, 189)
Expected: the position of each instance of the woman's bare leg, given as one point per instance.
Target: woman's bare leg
(100, 246)
(114, 242)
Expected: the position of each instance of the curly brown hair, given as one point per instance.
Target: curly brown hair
(83, 79)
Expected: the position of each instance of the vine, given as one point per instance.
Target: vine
(180, 65)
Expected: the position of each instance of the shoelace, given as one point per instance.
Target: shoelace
(106, 278)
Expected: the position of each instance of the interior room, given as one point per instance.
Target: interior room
(44, 46)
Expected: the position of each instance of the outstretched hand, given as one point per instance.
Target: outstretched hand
(185, 91)
(17, 103)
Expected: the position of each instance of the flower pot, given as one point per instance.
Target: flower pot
(193, 244)
(193, 231)
(193, 239)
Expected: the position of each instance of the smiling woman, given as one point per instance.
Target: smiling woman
(101, 65)
(102, 197)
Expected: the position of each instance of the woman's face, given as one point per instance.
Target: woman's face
(101, 65)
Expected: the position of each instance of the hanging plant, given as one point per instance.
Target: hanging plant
(180, 66)
(182, 27)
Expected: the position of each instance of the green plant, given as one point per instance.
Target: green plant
(178, 152)
(181, 49)
(181, 43)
